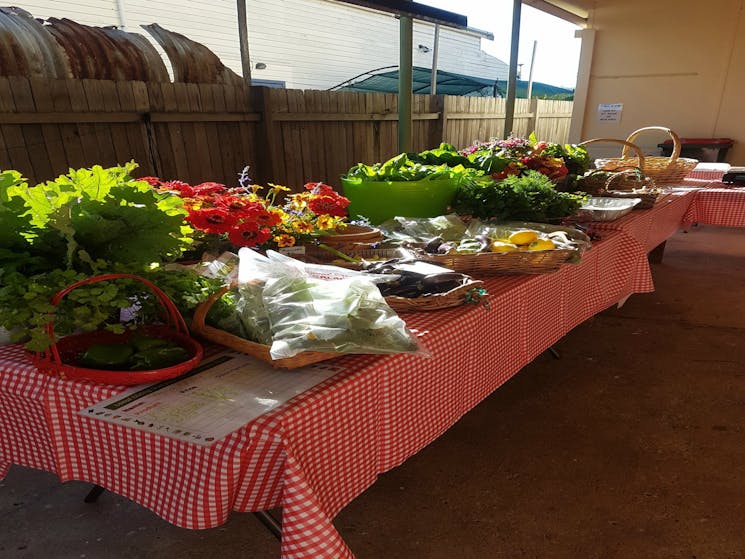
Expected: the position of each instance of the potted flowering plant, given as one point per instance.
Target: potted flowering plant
(242, 216)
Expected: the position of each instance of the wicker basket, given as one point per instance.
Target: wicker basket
(59, 360)
(502, 263)
(259, 351)
(631, 184)
(664, 170)
(630, 176)
(435, 302)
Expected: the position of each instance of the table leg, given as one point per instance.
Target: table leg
(94, 494)
(271, 523)
(554, 352)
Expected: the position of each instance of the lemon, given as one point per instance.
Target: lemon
(542, 244)
(524, 237)
(501, 246)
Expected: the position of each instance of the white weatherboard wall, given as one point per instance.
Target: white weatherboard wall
(308, 44)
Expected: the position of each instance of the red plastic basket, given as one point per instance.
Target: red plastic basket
(59, 358)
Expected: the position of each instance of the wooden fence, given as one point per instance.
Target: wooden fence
(200, 132)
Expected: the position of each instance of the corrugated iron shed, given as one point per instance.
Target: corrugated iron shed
(107, 53)
(192, 62)
(28, 49)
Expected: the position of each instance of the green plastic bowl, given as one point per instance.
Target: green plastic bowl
(379, 201)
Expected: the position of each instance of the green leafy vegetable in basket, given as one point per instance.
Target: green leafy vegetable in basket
(402, 168)
(528, 197)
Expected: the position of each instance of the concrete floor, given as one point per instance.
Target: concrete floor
(630, 446)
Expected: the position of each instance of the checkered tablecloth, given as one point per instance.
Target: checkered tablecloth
(717, 205)
(316, 453)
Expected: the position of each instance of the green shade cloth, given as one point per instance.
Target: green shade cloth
(449, 83)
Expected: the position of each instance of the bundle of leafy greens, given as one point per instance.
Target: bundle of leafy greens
(529, 197)
(404, 168)
(89, 222)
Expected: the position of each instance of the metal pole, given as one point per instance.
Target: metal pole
(435, 50)
(530, 74)
(243, 41)
(405, 83)
(512, 78)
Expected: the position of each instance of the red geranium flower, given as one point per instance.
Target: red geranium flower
(331, 205)
(249, 234)
(184, 189)
(152, 181)
(207, 188)
(319, 188)
(212, 220)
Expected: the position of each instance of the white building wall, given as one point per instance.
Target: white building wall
(308, 44)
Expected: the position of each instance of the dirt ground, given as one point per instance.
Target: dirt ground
(630, 446)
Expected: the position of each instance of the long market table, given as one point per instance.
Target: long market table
(314, 454)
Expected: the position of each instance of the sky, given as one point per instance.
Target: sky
(557, 51)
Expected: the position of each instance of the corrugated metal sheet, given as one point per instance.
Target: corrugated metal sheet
(192, 62)
(65, 49)
(106, 53)
(28, 49)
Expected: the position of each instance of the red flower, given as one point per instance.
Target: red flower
(152, 181)
(212, 220)
(262, 216)
(207, 188)
(319, 188)
(182, 188)
(331, 205)
(249, 234)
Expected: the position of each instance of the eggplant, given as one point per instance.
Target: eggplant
(432, 247)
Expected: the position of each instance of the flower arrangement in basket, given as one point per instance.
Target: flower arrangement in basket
(128, 356)
(242, 217)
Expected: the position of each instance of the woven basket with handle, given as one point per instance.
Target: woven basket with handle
(664, 170)
(629, 176)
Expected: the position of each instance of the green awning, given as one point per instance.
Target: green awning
(448, 83)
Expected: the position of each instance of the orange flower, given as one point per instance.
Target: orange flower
(284, 240)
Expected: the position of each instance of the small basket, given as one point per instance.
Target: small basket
(624, 177)
(435, 302)
(631, 184)
(502, 263)
(259, 351)
(57, 360)
(664, 170)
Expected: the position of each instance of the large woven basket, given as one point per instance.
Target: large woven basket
(630, 176)
(664, 170)
(435, 302)
(259, 351)
(502, 263)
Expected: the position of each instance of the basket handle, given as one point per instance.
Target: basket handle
(200, 313)
(627, 145)
(676, 141)
(174, 316)
(614, 176)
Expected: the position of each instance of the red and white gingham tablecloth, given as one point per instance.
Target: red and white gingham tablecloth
(717, 205)
(316, 453)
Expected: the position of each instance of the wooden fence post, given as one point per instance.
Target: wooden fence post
(266, 171)
(533, 110)
(439, 130)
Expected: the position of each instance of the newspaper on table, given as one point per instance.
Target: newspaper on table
(222, 394)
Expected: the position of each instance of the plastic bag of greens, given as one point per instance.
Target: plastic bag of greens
(421, 229)
(323, 308)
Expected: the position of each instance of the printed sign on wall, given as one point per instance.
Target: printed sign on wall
(610, 112)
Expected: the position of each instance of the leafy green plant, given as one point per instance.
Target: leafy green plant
(402, 168)
(88, 222)
(99, 216)
(528, 197)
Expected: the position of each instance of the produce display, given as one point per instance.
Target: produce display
(99, 220)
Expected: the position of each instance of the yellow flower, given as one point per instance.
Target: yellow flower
(284, 240)
(279, 187)
(302, 226)
(326, 222)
